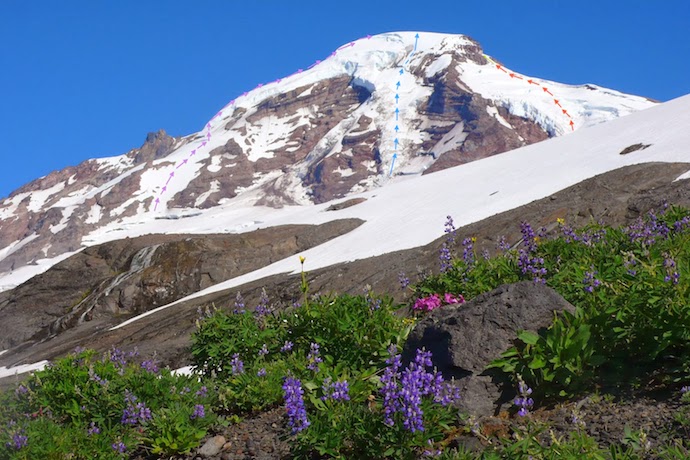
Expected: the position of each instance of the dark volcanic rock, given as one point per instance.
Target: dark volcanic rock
(465, 338)
(137, 274)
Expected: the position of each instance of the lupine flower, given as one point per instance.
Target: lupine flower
(19, 440)
(185, 390)
(468, 250)
(287, 346)
(449, 230)
(261, 372)
(203, 313)
(630, 262)
(202, 392)
(313, 358)
(527, 261)
(262, 309)
(199, 412)
(389, 390)
(93, 429)
(374, 304)
(503, 245)
(445, 258)
(590, 282)
(239, 304)
(403, 392)
(119, 447)
(237, 364)
(404, 280)
(263, 351)
(135, 412)
(336, 391)
(523, 401)
(21, 390)
(294, 405)
(96, 378)
(430, 451)
(671, 270)
(685, 389)
(150, 366)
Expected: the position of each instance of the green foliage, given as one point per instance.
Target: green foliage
(352, 332)
(70, 397)
(630, 289)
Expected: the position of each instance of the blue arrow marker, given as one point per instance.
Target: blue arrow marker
(396, 143)
(395, 155)
(397, 111)
(397, 85)
(396, 128)
(416, 38)
(396, 98)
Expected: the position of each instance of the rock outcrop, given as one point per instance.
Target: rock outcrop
(465, 338)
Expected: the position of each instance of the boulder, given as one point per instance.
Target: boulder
(465, 338)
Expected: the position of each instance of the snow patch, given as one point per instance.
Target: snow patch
(215, 187)
(438, 65)
(493, 111)
(21, 369)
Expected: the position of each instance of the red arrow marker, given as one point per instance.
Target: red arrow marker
(512, 75)
(546, 90)
(565, 112)
(555, 101)
(572, 125)
(498, 66)
(532, 82)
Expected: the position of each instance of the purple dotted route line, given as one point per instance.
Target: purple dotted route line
(208, 136)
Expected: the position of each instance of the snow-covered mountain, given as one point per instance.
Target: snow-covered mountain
(376, 112)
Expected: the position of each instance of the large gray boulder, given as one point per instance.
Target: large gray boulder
(465, 338)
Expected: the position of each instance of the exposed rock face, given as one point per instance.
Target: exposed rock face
(465, 338)
(134, 275)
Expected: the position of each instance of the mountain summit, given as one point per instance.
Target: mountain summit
(376, 109)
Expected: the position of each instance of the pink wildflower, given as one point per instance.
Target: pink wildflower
(427, 303)
(451, 299)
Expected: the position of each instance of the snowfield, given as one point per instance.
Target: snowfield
(409, 211)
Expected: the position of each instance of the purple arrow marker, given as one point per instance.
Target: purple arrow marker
(259, 85)
(168, 181)
(165, 187)
(300, 70)
(208, 136)
(333, 53)
(179, 166)
(156, 206)
(203, 144)
(244, 94)
(193, 153)
(208, 125)
(368, 37)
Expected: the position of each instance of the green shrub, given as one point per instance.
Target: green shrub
(83, 404)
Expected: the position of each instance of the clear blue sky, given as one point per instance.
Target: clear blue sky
(84, 78)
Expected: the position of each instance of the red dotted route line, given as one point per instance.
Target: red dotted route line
(513, 75)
